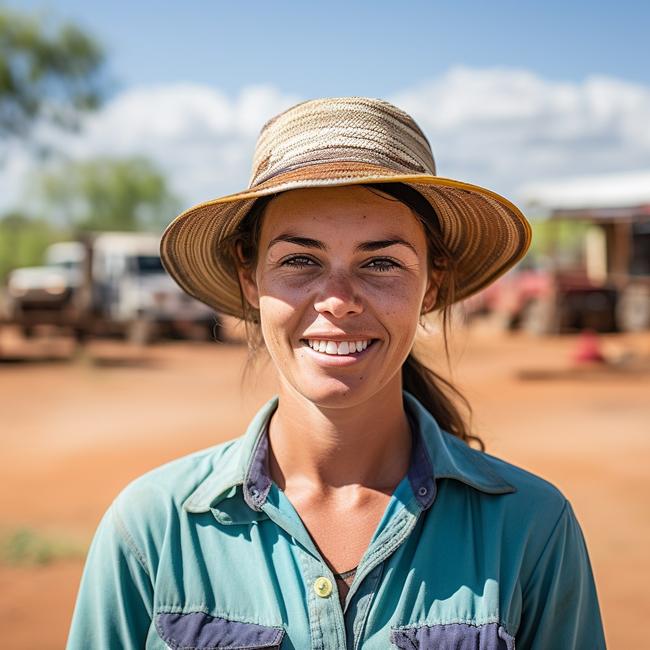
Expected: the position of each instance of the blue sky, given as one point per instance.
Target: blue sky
(509, 93)
(361, 48)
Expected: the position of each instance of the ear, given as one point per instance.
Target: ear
(431, 293)
(247, 280)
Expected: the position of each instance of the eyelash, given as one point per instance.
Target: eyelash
(302, 261)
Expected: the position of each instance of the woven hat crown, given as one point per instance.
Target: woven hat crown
(343, 129)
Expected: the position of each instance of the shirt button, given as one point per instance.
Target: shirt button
(323, 587)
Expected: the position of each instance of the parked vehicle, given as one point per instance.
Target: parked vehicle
(106, 284)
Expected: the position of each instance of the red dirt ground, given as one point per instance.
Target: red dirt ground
(74, 433)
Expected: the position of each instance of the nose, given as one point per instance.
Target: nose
(338, 297)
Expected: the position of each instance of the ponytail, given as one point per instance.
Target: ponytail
(433, 392)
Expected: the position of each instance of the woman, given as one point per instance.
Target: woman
(353, 513)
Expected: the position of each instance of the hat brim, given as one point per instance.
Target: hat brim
(485, 233)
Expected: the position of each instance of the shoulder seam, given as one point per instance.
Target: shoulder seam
(546, 543)
(127, 538)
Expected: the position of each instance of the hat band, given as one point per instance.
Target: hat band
(343, 144)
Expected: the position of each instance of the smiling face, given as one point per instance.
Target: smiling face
(340, 281)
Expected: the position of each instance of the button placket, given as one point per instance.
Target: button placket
(383, 547)
(326, 620)
(359, 607)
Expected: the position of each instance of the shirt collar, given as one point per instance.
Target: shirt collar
(453, 458)
(230, 468)
(243, 466)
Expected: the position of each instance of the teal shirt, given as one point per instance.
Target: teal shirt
(207, 552)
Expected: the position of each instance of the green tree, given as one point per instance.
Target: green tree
(107, 194)
(49, 70)
(23, 241)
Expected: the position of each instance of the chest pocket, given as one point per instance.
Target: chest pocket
(454, 636)
(200, 631)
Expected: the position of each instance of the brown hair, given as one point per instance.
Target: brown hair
(437, 394)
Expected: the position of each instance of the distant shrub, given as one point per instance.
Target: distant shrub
(30, 547)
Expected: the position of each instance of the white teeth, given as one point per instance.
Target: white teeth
(334, 348)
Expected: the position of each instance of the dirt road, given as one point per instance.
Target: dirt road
(75, 433)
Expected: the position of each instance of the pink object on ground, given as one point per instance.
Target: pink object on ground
(587, 349)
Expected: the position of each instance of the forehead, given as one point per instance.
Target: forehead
(335, 211)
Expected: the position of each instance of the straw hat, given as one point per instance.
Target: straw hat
(345, 141)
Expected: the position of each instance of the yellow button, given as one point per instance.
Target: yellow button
(323, 587)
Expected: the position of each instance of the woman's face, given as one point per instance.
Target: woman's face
(340, 281)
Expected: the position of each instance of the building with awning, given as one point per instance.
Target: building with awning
(615, 209)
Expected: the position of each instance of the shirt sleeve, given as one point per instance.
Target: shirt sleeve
(560, 604)
(114, 604)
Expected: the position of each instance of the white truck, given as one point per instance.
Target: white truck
(110, 283)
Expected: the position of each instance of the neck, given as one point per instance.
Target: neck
(367, 444)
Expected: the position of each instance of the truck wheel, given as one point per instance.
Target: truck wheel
(79, 334)
(28, 331)
(633, 309)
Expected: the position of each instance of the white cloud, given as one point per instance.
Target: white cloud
(502, 128)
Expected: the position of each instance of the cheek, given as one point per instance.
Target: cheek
(279, 318)
(398, 300)
(399, 307)
(286, 288)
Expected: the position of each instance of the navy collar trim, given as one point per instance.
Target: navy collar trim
(435, 455)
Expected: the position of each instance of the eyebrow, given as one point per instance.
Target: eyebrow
(365, 246)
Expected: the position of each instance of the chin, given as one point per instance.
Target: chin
(333, 393)
(336, 392)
